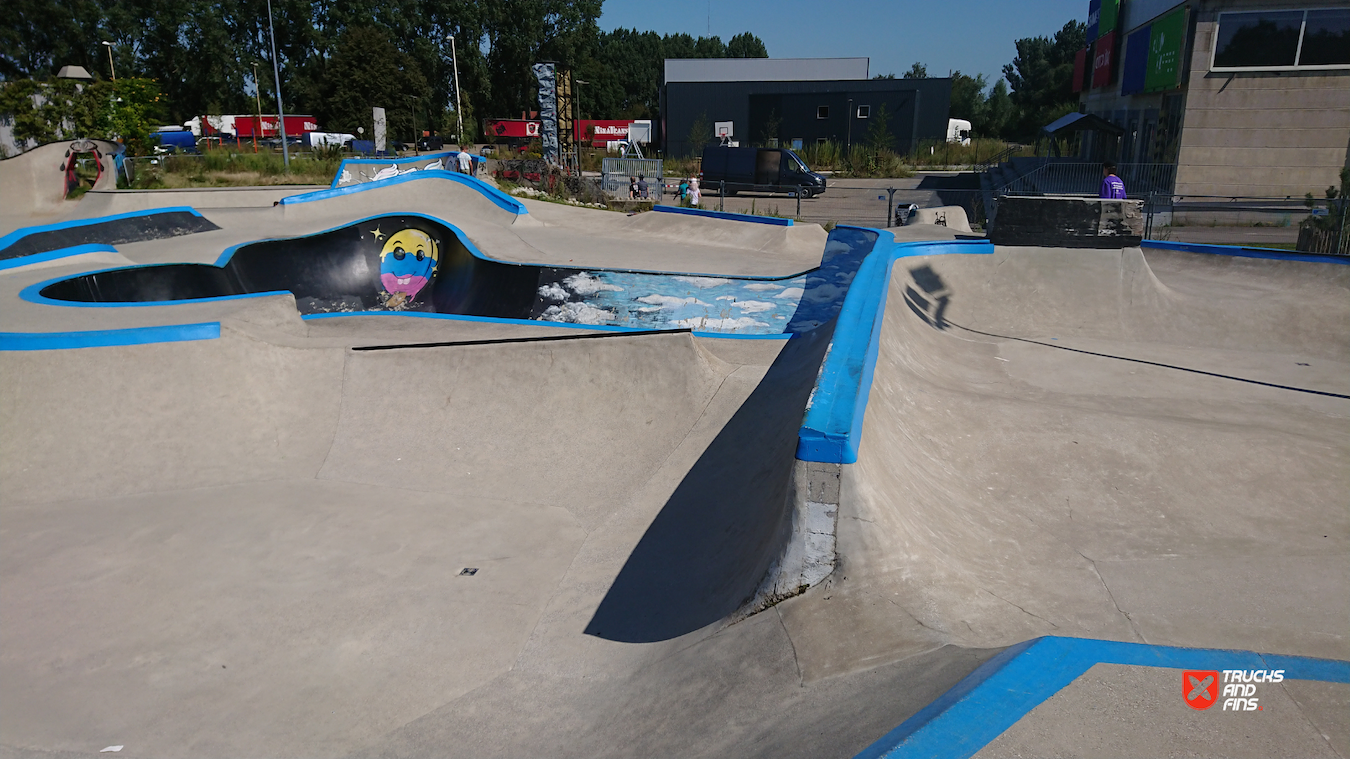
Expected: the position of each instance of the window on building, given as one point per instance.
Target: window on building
(1282, 40)
(822, 111)
(1326, 39)
(821, 140)
(864, 111)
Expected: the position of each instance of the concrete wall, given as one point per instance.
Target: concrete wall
(1265, 134)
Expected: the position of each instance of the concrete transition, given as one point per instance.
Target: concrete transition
(33, 189)
(240, 519)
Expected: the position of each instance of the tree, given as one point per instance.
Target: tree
(700, 134)
(879, 136)
(1042, 78)
(884, 76)
(746, 45)
(917, 71)
(771, 133)
(968, 100)
(998, 110)
(366, 70)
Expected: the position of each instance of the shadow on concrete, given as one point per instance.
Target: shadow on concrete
(713, 541)
(927, 296)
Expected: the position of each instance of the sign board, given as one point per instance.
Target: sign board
(1167, 38)
(723, 129)
(1135, 64)
(1094, 20)
(1079, 67)
(511, 128)
(1103, 60)
(1106, 18)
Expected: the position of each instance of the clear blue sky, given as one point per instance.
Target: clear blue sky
(974, 36)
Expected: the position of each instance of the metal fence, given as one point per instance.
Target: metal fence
(1260, 222)
(878, 204)
(1085, 178)
(615, 174)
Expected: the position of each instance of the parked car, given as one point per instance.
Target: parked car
(759, 169)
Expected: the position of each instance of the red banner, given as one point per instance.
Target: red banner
(1079, 70)
(1104, 60)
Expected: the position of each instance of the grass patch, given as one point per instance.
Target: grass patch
(226, 168)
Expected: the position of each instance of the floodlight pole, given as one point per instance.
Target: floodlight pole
(459, 104)
(276, 72)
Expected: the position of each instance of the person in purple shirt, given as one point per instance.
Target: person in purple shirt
(1112, 187)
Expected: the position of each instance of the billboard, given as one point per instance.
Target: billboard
(1094, 21)
(1079, 69)
(1167, 39)
(601, 131)
(1103, 60)
(1106, 18)
(1134, 69)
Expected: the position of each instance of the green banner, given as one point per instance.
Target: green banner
(1167, 40)
(1107, 20)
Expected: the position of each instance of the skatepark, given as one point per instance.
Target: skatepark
(414, 467)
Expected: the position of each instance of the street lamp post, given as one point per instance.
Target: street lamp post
(257, 94)
(276, 73)
(413, 109)
(112, 69)
(459, 104)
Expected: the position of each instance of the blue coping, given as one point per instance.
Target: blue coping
(1006, 688)
(501, 199)
(774, 220)
(43, 341)
(19, 234)
(1244, 252)
(832, 428)
(52, 255)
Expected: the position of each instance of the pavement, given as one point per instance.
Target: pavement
(274, 544)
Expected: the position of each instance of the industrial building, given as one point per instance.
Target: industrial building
(1245, 98)
(790, 102)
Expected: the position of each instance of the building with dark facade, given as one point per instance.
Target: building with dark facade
(795, 101)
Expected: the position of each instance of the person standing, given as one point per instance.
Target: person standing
(642, 187)
(465, 162)
(694, 195)
(1112, 186)
(632, 188)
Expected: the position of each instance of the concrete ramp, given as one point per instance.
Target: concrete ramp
(32, 184)
(1130, 445)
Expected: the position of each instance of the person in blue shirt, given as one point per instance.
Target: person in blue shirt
(1112, 187)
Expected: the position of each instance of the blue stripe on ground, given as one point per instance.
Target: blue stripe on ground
(832, 428)
(1240, 251)
(45, 341)
(1006, 688)
(774, 220)
(19, 234)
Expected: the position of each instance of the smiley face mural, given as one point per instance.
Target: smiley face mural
(407, 263)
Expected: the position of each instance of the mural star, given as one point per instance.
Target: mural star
(378, 234)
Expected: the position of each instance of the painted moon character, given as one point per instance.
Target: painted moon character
(407, 262)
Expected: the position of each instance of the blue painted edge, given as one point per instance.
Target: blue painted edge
(773, 220)
(501, 199)
(1239, 251)
(1006, 688)
(19, 234)
(832, 427)
(43, 341)
(536, 323)
(52, 255)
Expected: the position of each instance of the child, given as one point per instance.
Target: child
(694, 195)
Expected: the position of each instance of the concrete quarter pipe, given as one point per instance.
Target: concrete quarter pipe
(240, 520)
